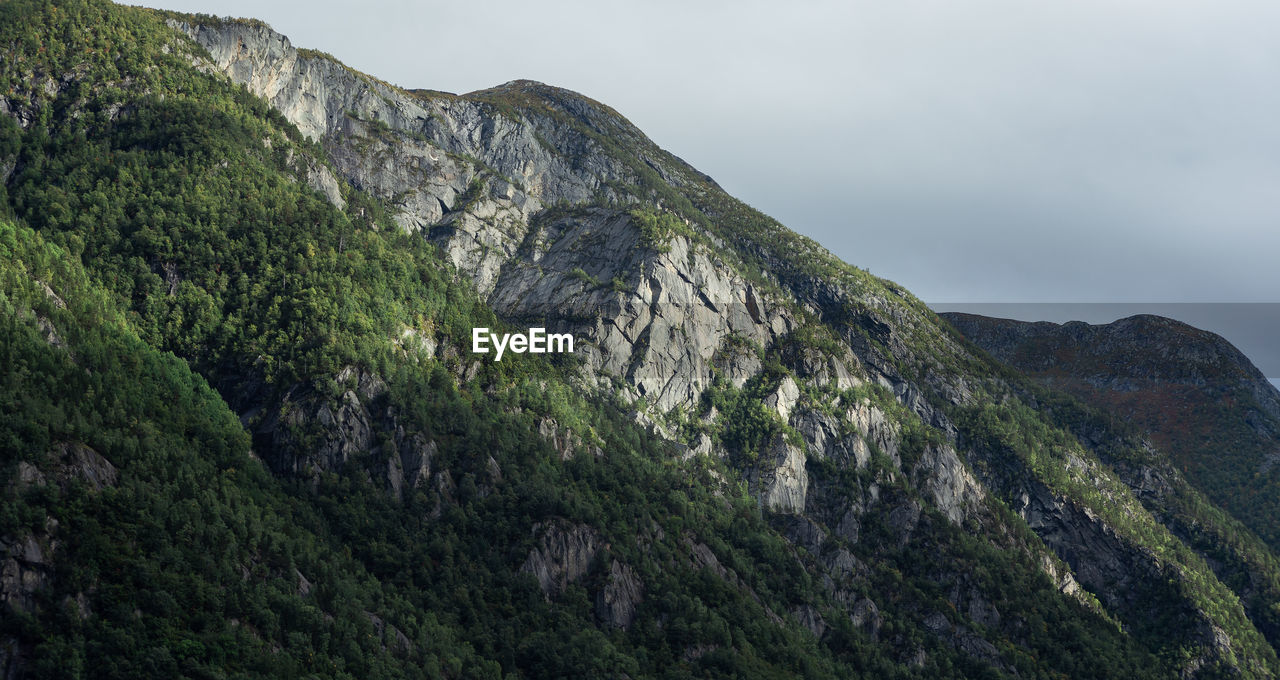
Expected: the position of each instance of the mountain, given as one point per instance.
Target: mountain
(1190, 391)
(246, 433)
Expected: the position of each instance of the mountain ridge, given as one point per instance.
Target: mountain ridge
(1168, 378)
(825, 298)
(737, 475)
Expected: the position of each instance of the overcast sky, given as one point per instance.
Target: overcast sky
(987, 151)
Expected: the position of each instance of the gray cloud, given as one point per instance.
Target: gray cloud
(993, 150)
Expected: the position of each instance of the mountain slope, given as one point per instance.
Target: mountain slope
(1209, 412)
(738, 473)
(676, 314)
(142, 538)
(1195, 395)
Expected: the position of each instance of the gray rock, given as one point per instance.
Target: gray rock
(902, 520)
(783, 398)
(616, 603)
(805, 533)
(392, 638)
(826, 371)
(48, 292)
(345, 428)
(1099, 558)
(826, 437)
(304, 586)
(416, 344)
(564, 441)
(982, 612)
(415, 456)
(850, 527)
(703, 556)
(737, 363)
(664, 320)
(77, 461)
(811, 619)
(25, 569)
(28, 476)
(50, 333)
(563, 555)
(876, 427)
(494, 470)
(321, 179)
(425, 154)
(866, 615)
(953, 489)
(842, 564)
(781, 481)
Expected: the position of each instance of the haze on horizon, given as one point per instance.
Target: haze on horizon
(991, 151)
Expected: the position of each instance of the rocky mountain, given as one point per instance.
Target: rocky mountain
(245, 433)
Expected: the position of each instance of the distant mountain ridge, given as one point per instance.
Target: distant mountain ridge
(1197, 396)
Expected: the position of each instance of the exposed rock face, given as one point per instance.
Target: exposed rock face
(703, 556)
(50, 333)
(677, 302)
(415, 456)
(564, 555)
(811, 619)
(308, 433)
(77, 461)
(784, 398)
(953, 489)
(782, 481)
(25, 569)
(847, 436)
(435, 134)
(321, 179)
(392, 637)
(347, 426)
(866, 615)
(563, 440)
(824, 437)
(961, 637)
(805, 533)
(1064, 579)
(657, 316)
(1099, 558)
(616, 603)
